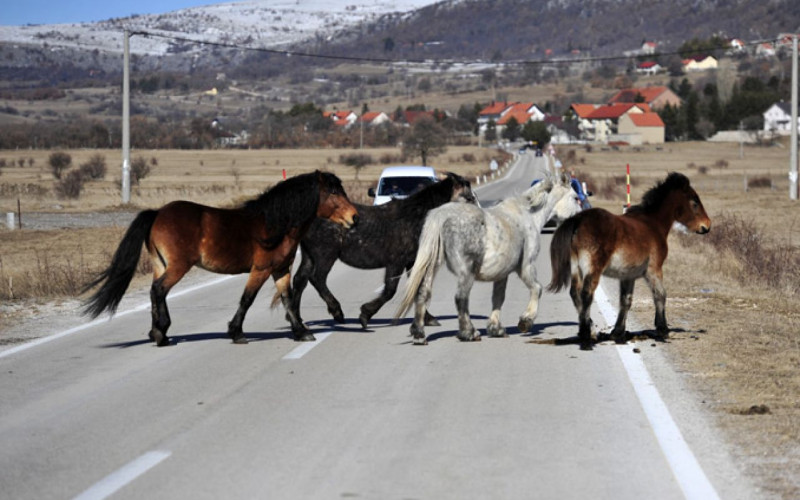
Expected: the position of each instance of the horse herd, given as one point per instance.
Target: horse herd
(443, 223)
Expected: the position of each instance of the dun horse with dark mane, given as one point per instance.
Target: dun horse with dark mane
(627, 247)
(260, 237)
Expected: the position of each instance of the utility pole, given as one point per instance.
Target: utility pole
(126, 120)
(793, 149)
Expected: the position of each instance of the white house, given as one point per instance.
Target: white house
(778, 118)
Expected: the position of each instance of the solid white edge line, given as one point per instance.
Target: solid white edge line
(303, 349)
(123, 476)
(141, 307)
(687, 470)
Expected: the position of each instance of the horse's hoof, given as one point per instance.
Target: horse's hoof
(430, 320)
(240, 340)
(587, 347)
(496, 331)
(164, 342)
(364, 320)
(469, 338)
(525, 325)
(619, 337)
(305, 337)
(420, 341)
(337, 314)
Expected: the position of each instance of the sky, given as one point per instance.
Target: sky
(20, 12)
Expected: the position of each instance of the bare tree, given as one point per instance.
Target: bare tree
(425, 139)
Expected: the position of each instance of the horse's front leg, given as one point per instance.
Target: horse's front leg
(654, 280)
(618, 334)
(254, 283)
(494, 327)
(466, 330)
(283, 282)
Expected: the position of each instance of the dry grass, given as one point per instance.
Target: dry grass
(213, 177)
(732, 295)
(51, 264)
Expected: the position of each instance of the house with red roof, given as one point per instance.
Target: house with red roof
(640, 128)
(656, 96)
(374, 118)
(341, 118)
(605, 119)
(648, 68)
(502, 112)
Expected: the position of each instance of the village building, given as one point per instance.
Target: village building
(778, 118)
(648, 68)
(699, 63)
(640, 128)
(656, 96)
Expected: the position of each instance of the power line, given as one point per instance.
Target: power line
(381, 60)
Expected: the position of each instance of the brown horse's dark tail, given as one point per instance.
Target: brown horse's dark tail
(116, 278)
(560, 253)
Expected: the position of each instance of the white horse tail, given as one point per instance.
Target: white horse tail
(428, 260)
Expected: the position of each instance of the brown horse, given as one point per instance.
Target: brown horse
(260, 237)
(627, 247)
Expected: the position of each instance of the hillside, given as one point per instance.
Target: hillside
(489, 30)
(532, 29)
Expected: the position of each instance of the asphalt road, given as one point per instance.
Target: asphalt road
(357, 414)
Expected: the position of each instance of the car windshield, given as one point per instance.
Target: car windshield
(402, 186)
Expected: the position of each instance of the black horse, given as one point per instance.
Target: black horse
(386, 236)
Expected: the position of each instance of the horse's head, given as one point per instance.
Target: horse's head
(461, 190)
(690, 212)
(566, 200)
(334, 204)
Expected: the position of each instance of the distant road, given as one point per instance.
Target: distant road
(357, 414)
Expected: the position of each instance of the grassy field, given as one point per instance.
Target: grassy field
(732, 294)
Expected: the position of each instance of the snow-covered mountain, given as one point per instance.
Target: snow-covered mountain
(261, 23)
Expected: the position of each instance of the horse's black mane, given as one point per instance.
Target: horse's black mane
(291, 203)
(416, 205)
(655, 196)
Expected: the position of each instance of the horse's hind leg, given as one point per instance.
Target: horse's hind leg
(494, 327)
(299, 282)
(391, 279)
(656, 284)
(165, 279)
(618, 334)
(528, 277)
(421, 300)
(590, 283)
(466, 330)
(322, 267)
(159, 312)
(282, 283)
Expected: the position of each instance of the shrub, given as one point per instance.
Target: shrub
(139, 170)
(356, 159)
(759, 182)
(95, 168)
(59, 162)
(71, 185)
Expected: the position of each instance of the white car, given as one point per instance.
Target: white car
(401, 182)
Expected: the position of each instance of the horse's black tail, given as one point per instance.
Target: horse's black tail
(560, 254)
(116, 278)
